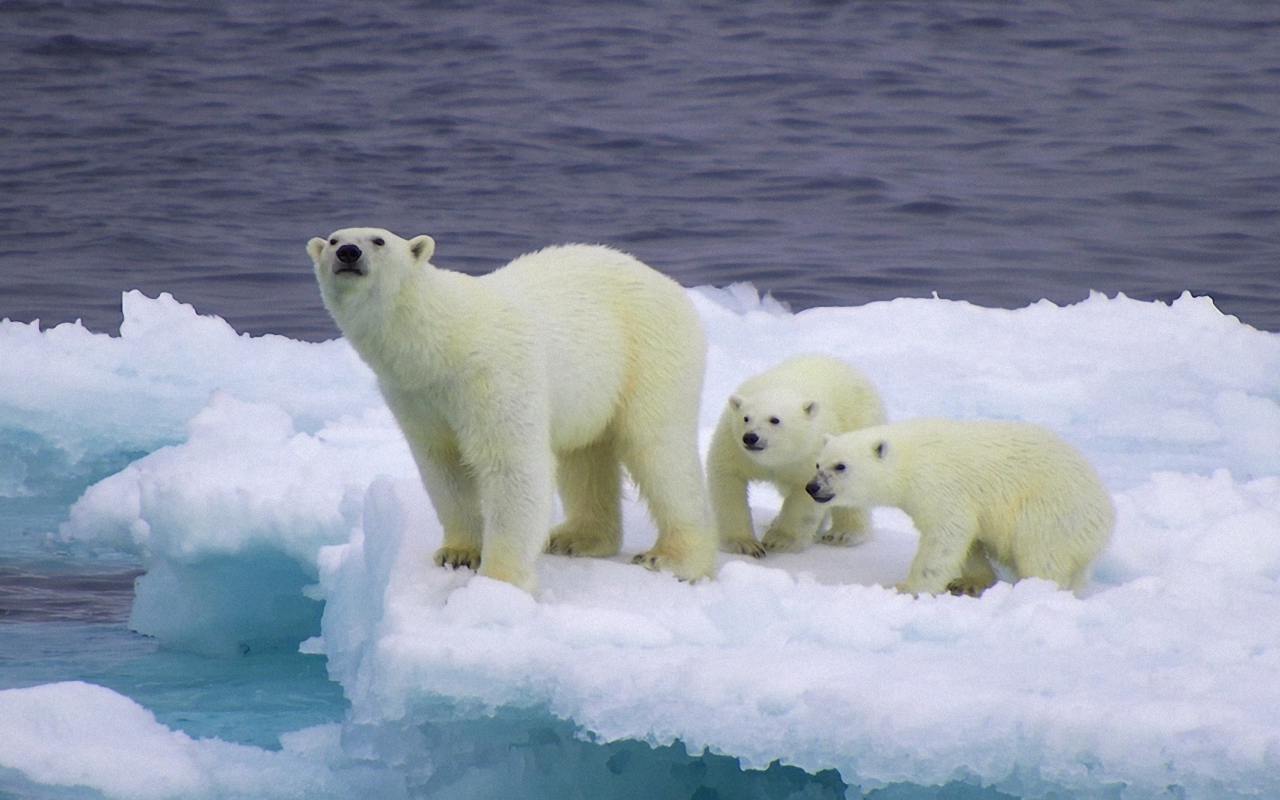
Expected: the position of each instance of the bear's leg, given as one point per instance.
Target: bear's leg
(794, 527)
(849, 526)
(456, 499)
(728, 494)
(666, 470)
(1049, 554)
(515, 498)
(590, 481)
(940, 556)
(976, 576)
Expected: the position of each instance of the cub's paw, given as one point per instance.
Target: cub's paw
(777, 540)
(967, 587)
(747, 548)
(574, 540)
(455, 557)
(843, 538)
(656, 561)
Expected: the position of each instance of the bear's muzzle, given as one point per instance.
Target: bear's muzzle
(818, 492)
(348, 260)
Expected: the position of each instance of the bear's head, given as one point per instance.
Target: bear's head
(775, 428)
(354, 260)
(855, 469)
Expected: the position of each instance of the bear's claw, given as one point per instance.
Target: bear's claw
(658, 561)
(961, 587)
(568, 540)
(455, 557)
(751, 548)
(648, 561)
(777, 540)
(842, 538)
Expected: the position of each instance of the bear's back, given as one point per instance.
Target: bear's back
(603, 321)
(591, 289)
(996, 458)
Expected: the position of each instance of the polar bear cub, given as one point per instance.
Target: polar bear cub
(771, 430)
(561, 367)
(978, 491)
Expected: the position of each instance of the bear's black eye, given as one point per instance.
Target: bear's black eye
(333, 241)
(839, 467)
(746, 419)
(774, 420)
(379, 242)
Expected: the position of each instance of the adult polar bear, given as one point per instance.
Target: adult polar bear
(560, 366)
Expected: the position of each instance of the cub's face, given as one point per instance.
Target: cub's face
(775, 428)
(853, 469)
(352, 259)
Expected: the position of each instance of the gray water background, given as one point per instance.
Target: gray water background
(832, 153)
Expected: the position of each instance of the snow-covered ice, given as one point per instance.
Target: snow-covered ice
(273, 479)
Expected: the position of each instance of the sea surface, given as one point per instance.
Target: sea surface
(832, 153)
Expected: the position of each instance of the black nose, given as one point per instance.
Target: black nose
(750, 439)
(815, 491)
(348, 254)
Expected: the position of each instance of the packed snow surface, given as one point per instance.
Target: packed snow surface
(274, 477)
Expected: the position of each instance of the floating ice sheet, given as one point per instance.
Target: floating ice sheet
(279, 457)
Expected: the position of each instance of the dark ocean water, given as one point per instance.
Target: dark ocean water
(832, 153)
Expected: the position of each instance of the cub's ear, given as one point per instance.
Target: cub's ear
(422, 247)
(811, 408)
(735, 403)
(882, 447)
(315, 247)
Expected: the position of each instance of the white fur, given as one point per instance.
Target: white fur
(787, 410)
(562, 366)
(1010, 492)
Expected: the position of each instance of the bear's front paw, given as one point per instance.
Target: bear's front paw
(843, 538)
(455, 557)
(778, 540)
(745, 547)
(967, 586)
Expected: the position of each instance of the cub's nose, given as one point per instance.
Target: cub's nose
(348, 254)
(816, 491)
(750, 439)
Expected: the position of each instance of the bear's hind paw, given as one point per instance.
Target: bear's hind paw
(576, 541)
(656, 561)
(455, 557)
(843, 538)
(778, 540)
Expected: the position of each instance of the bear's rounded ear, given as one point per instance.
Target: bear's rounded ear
(422, 247)
(735, 402)
(882, 447)
(315, 247)
(811, 408)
